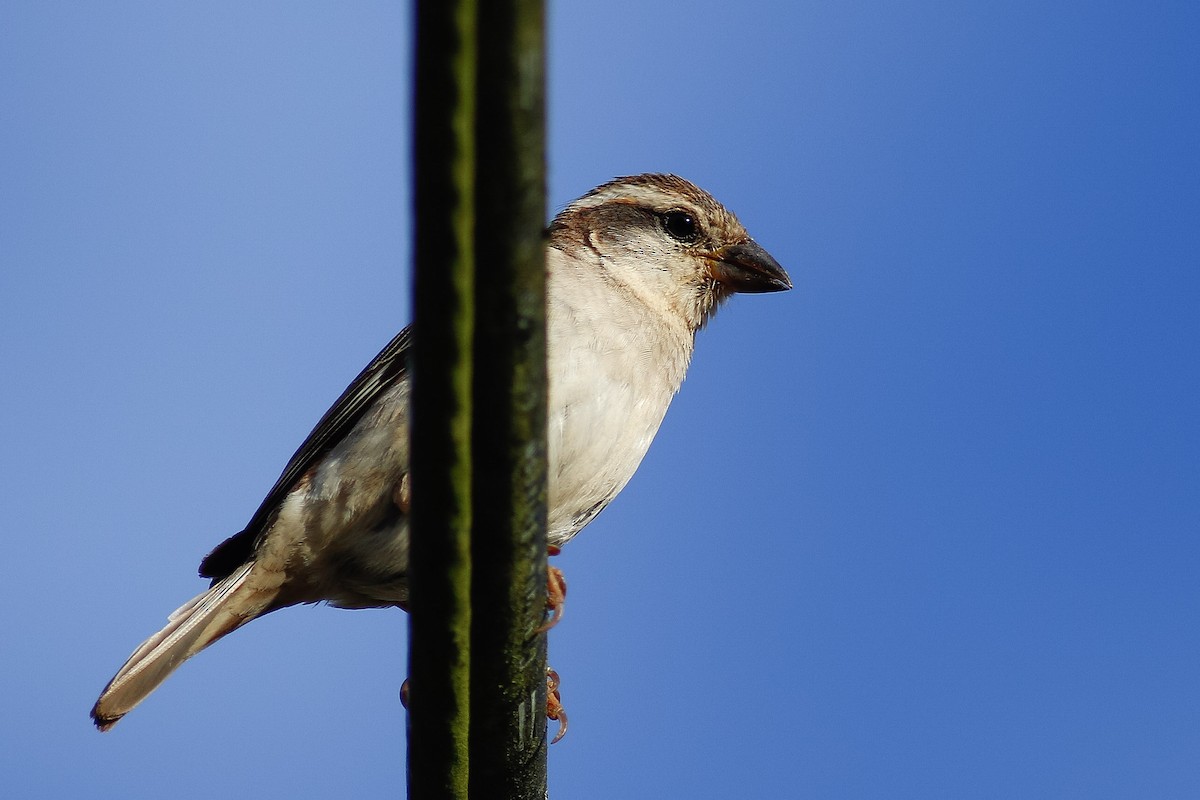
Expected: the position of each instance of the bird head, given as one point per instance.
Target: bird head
(671, 243)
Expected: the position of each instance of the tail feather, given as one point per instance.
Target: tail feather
(195, 625)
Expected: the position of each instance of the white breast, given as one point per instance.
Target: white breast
(615, 365)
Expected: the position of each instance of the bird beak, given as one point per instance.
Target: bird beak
(746, 267)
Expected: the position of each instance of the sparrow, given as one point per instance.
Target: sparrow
(634, 269)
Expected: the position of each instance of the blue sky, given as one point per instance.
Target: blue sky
(925, 526)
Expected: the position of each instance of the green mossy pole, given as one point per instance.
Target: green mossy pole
(478, 564)
(508, 546)
(443, 322)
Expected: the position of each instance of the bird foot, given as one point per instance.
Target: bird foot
(554, 707)
(556, 593)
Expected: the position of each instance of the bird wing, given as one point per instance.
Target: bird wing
(384, 371)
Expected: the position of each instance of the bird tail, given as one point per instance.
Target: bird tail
(225, 607)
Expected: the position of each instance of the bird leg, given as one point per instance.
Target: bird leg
(556, 598)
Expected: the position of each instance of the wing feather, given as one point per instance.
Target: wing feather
(384, 371)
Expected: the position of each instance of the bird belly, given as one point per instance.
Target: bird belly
(598, 431)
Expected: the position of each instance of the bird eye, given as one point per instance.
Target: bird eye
(680, 225)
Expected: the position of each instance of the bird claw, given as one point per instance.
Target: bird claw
(556, 598)
(556, 593)
(554, 707)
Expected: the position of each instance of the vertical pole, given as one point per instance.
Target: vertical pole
(477, 577)
(508, 546)
(443, 324)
